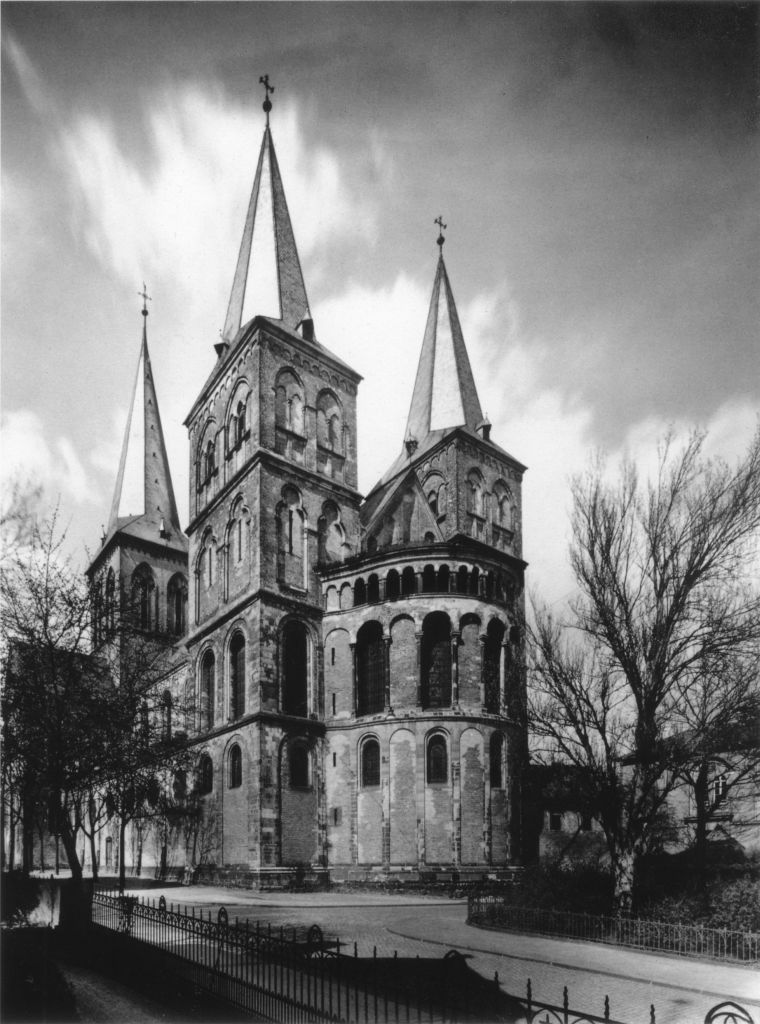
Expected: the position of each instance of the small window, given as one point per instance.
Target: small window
(236, 768)
(555, 821)
(179, 786)
(370, 764)
(299, 766)
(437, 760)
(205, 775)
(237, 676)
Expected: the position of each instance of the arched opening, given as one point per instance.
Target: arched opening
(332, 539)
(408, 581)
(205, 775)
(436, 661)
(437, 761)
(290, 538)
(360, 592)
(488, 586)
(235, 767)
(288, 402)
(143, 598)
(176, 595)
(237, 675)
(496, 761)
(370, 764)
(392, 585)
(373, 589)
(166, 716)
(370, 669)
(474, 582)
(110, 602)
(428, 579)
(443, 579)
(463, 577)
(329, 422)
(295, 674)
(208, 673)
(299, 766)
(491, 664)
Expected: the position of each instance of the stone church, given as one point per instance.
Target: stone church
(353, 663)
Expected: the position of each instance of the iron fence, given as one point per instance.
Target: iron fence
(297, 974)
(661, 936)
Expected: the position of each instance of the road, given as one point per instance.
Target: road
(682, 991)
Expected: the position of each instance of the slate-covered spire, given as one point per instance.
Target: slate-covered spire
(268, 279)
(143, 500)
(444, 393)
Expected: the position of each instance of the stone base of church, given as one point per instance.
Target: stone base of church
(414, 876)
(263, 879)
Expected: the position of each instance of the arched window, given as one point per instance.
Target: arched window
(179, 786)
(290, 537)
(496, 761)
(373, 589)
(237, 676)
(360, 592)
(329, 422)
(299, 766)
(428, 579)
(436, 661)
(166, 716)
(288, 402)
(443, 579)
(502, 505)
(392, 585)
(491, 664)
(474, 587)
(209, 461)
(408, 581)
(295, 676)
(143, 597)
(475, 492)
(370, 764)
(96, 600)
(235, 773)
(208, 673)
(205, 775)
(463, 577)
(433, 501)
(110, 602)
(176, 600)
(437, 761)
(332, 537)
(240, 424)
(370, 669)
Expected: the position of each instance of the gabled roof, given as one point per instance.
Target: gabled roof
(444, 393)
(143, 501)
(268, 279)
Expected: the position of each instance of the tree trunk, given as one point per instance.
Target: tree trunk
(701, 799)
(122, 866)
(623, 873)
(93, 852)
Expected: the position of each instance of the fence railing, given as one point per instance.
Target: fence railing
(296, 974)
(663, 936)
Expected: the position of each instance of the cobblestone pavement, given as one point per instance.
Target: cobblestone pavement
(682, 991)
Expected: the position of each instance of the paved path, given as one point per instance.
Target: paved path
(682, 990)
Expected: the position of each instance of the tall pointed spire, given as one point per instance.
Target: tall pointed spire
(144, 497)
(268, 279)
(444, 393)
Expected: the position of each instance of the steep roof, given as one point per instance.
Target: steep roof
(143, 501)
(444, 393)
(268, 279)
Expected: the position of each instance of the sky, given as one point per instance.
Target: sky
(597, 167)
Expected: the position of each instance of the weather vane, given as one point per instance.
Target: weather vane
(440, 240)
(264, 80)
(146, 299)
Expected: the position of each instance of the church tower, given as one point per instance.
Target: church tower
(273, 492)
(423, 670)
(141, 567)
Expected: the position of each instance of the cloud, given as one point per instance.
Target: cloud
(31, 82)
(28, 456)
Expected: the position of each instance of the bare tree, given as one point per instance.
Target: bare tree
(667, 579)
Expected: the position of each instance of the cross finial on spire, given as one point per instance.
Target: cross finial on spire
(440, 240)
(264, 80)
(146, 299)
